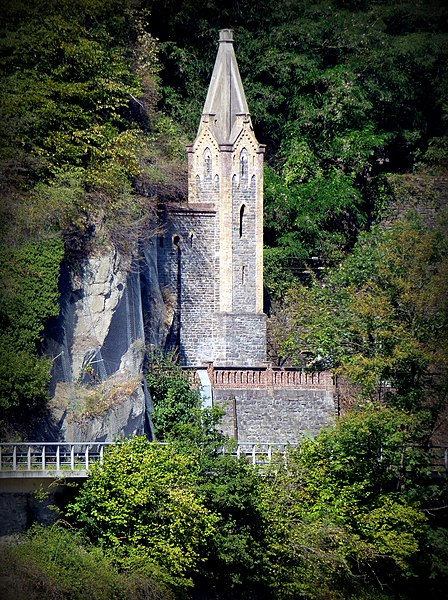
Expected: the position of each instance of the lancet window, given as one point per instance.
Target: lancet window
(207, 164)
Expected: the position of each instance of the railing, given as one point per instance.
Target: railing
(74, 459)
(59, 459)
(260, 453)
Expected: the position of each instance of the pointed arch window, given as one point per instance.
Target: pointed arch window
(244, 164)
(242, 219)
(207, 164)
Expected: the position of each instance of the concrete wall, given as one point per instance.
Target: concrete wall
(20, 507)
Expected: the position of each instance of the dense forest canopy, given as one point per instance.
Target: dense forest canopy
(98, 99)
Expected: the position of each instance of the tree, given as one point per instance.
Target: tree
(176, 402)
(236, 565)
(77, 103)
(76, 109)
(380, 318)
(56, 562)
(345, 515)
(29, 296)
(341, 92)
(141, 507)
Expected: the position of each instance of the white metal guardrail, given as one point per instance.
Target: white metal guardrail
(49, 459)
(74, 459)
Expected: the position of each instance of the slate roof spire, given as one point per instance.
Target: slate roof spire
(225, 98)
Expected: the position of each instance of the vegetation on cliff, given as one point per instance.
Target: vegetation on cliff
(83, 148)
(98, 97)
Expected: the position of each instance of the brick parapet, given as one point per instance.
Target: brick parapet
(268, 376)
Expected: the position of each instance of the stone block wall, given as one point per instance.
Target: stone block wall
(188, 270)
(244, 245)
(275, 415)
(239, 339)
(425, 195)
(187, 264)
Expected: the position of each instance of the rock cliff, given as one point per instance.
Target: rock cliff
(98, 346)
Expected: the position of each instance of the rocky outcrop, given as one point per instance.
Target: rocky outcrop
(98, 290)
(98, 347)
(106, 412)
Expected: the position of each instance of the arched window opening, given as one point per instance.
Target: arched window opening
(242, 211)
(216, 183)
(191, 240)
(198, 184)
(244, 164)
(207, 164)
(176, 240)
(243, 275)
(252, 181)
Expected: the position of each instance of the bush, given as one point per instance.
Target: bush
(54, 562)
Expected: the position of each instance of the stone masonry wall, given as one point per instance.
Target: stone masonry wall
(240, 339)
(244, 244)
(186, 256)
(275, 415)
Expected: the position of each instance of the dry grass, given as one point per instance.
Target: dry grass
(84, 401)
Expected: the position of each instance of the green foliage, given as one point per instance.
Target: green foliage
(176, 402)
(142, 508)
(55, 562)
(343, 517)
(30, 289)
(381, 317)
(78, 112)
(236, 554)
(230, 489)
(77, 96)
(341, 92)
(29, 297)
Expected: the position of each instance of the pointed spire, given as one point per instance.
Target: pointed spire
(225, 98)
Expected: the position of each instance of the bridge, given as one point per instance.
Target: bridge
(60, 460)
(74, 459)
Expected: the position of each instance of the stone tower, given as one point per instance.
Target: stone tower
(211, 255)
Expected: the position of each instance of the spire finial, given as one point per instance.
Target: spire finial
(226, 35)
